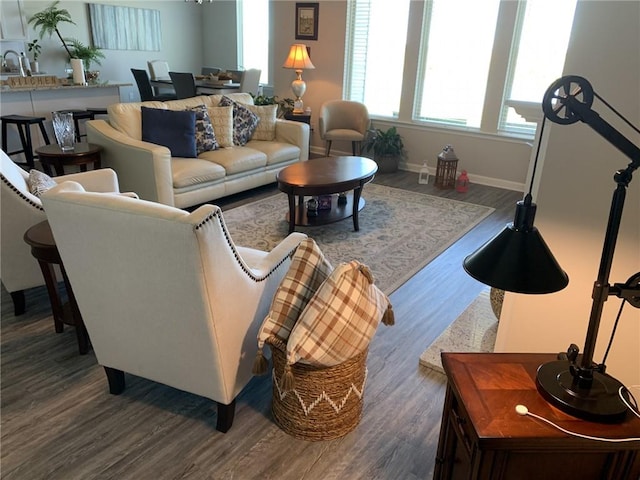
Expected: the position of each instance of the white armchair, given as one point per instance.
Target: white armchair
(20, 211)
(166, 294)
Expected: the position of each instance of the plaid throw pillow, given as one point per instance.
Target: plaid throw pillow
(340, 319)
(244, 121)
(205, 136)
(308, 270)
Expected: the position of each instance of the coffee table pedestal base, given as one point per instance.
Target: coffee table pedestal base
(324, 217)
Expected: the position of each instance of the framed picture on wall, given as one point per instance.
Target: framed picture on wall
(307, 21)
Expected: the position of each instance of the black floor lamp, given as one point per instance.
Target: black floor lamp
(518, 260)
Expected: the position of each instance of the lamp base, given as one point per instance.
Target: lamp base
(599, 403)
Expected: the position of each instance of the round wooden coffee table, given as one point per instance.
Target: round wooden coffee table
(82, 154)
(326, 176)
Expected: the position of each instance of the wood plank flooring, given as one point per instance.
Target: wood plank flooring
(58, 420)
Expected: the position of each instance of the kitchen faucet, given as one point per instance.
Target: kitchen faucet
(18, 61)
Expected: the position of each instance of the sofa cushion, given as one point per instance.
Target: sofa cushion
(308, 270)
(172, 129)
(340, 320)
(127, 118)
(189, 172)
(222, 122)
(244, 121)
(267, 115)
(236, 159)
(39, 182)
(276, 152)
(205, 136)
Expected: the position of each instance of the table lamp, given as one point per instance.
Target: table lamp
(518, 260)
(298, 60)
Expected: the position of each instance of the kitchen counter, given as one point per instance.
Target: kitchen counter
(41, 100)
(61, 86)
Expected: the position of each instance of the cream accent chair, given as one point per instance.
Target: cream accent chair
(343, 120)
(20, 211)
(166, 294)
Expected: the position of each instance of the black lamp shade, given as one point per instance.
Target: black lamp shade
(517, 259)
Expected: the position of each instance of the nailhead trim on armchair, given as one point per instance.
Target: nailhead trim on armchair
(28, 200)
(227, 236)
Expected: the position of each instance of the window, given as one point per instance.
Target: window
(253, 36)
(473, 56)
(537, 57)
(455, 53)
(374, 60)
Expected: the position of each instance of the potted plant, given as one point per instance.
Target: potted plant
(387, 147)
(47, 21)
(34, 48)
(87, 54)
(285, 105)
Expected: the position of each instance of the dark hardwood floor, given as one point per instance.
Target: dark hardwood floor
(59, 421)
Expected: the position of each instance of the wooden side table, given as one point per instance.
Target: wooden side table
(43, 248)
(301, 117)
(83, 154)
(482, 437)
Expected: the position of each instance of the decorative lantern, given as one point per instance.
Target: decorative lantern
(423, 177)
(446, 169)
(462, 185)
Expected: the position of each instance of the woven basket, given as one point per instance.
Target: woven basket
(326, 402)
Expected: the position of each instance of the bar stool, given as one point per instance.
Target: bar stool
(97, 111)
(23, 124)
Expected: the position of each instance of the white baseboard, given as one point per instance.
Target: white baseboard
(412, 167)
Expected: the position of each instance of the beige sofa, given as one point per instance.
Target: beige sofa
(150, 170)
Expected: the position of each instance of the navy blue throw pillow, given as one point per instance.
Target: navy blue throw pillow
(174, 129)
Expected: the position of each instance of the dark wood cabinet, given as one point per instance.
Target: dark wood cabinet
(482, 436)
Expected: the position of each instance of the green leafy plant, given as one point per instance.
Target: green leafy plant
(285, 106)
(34, 48)
(383, 143)
(84, 52)
(47, 22)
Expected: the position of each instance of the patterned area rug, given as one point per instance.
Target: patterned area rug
(400, 231)
(473, 331)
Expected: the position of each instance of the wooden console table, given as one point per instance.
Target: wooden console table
(482, 437)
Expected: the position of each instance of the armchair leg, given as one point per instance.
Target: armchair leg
(327, 148)
(116, 380)
(19, 303)
(225, 416)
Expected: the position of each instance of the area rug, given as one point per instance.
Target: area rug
(400, 231)
(473, 331)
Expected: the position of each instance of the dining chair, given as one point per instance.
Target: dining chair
(184, 84)
(145, 88)
(210, 71)
(159, 69)
(250, 81)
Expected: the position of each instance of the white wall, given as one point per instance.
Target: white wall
(182, 42)
(575, 195)
(196, 35)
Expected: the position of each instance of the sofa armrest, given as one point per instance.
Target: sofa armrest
(103, 180)
(296, 133)
(142, 167)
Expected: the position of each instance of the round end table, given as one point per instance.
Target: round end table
(82, 155)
